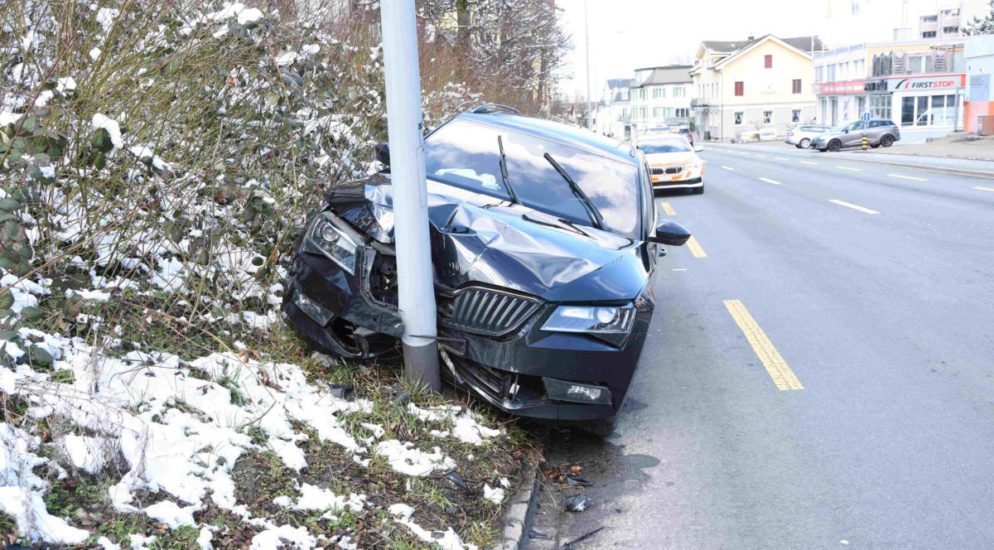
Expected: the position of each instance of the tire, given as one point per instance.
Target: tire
(698, 190)
(804, 143)
(887, 140)
(874, 145)
(835, 146)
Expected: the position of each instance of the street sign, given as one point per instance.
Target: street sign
(867, 116)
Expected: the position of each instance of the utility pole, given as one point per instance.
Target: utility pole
(586, 37)
(407, 168)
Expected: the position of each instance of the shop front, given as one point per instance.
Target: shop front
(923, 106)
(840, 102)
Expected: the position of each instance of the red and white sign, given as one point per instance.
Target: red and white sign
(840, 88)
(927, 84)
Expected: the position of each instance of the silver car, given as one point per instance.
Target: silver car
(800, 136)
(878, 132)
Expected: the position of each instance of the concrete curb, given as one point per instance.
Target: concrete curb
(519, 513)
(854, 155)
(956, 171)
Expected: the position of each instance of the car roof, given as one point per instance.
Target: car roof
(664, 138)
(555, 131)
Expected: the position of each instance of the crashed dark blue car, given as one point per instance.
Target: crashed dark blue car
(544, 241)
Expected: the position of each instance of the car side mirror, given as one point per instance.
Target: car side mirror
(671, 233)
(845, 131)
(383, 153)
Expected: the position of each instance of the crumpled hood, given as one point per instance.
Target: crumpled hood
(481, 239)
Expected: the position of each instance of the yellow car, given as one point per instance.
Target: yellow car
(673, 163)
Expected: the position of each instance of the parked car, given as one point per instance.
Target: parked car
(673, 163)
(544, 240)
(687, 134)
(801, 135)
(880, 132)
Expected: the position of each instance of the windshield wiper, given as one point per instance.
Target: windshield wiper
(595, 216)
(503, 171)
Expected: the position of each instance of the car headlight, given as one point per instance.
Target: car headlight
(610, 323)
(334, 243)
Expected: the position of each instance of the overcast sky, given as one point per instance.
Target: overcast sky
(626, 34)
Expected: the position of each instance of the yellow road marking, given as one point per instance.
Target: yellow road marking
(903, 177)
(979, 188)
(668, 209)
(776, 366)
(695, 248)
(853, 206)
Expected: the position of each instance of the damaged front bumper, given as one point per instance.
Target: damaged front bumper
(490, 338)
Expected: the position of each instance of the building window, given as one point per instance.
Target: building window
(657, 93)
(682, 112)
(928, 34)
(767, 117)
(795, 115)
(740, 88)
(950, 30)
(657, 112)
(738, 118)
(880, 106)
(768, 61)
(796, 87)
(936, 110)
(679, 91)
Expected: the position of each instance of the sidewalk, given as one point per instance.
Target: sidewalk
(956, 147)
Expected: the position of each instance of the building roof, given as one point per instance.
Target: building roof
(619, 83)
(668, 74)
(802, 43)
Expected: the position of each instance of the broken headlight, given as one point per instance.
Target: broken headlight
(333, 242)
(610, 323)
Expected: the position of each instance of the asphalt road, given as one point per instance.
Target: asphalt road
(858, 412)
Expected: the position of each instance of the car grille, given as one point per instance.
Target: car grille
(667, 170)
(488, 311)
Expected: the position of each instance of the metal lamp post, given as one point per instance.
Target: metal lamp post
(407, 167)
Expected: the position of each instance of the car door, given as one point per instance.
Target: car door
(855, 135)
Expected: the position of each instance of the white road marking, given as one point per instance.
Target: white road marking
(768, 180)
(903, 177)
(808, 162)
(853, 206)
(980, 188)
(760, 155)
(679, 269)
(850, 168)
(729, 168)
(780, 158)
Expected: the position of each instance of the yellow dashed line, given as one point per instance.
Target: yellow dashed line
(776, 366)
(668, 209)
(695, 248)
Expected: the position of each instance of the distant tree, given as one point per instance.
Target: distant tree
(984, 25)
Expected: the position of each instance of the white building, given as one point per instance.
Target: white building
(611, 115)
(944, 23)
(919, 84)
(661, 97)
(754, 86)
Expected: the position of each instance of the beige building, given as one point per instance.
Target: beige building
(759, 85)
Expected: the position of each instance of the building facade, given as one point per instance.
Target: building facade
(978, 110)
(918, 84)
(612, 116)
(660, 97)
(944, 23)
(759, 85)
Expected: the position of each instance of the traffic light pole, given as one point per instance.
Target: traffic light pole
(413, 247)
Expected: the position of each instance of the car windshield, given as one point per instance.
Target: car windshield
(669, 146)
(467, 155)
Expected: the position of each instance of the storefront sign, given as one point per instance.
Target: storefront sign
(916, 84)
(840, 88)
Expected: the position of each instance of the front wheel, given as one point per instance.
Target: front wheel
(887, 141)
(835, 146)
(804, 144)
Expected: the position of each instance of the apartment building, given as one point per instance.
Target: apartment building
(611, 115)
(946, 22)
(755, 84)
(918, 84)
(660, 97)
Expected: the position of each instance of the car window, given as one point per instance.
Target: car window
(672, 146)
(466, 154)
(859, 125)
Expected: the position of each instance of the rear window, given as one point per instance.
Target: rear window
(467, 155)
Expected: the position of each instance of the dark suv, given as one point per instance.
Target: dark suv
(878, 132)
(544, 241)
